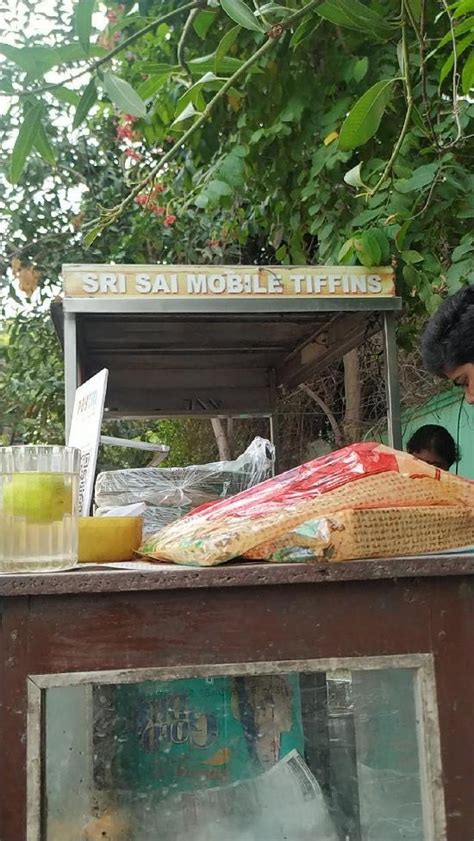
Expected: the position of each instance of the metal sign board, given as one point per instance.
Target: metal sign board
(206, 282)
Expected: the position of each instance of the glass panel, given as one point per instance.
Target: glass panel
(316, 756)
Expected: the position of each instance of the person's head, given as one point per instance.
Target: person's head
(434, 445)
(447, 345)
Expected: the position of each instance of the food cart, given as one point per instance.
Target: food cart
(331, 702)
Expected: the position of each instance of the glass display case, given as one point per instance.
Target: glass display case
(346, 751)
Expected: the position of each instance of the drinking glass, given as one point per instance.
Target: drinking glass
(38, 508)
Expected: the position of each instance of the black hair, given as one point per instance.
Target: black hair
(448, 339)
(437, 440)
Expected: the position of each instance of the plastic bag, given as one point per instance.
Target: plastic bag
(365, 475)
(137, 509)
(170, 493)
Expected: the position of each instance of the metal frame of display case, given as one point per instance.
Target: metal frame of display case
(212, 357)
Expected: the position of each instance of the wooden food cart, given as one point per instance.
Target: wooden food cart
(326, 701)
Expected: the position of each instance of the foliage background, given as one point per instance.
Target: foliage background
(267, 177)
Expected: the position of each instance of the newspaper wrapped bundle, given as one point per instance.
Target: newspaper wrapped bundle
(372, 533)
(362, 476)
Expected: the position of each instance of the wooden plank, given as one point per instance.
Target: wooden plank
(146, 360)
(124, 381)
(183, 335)
(347, 332)
(103, 579)
(13, 716)
(196, 401)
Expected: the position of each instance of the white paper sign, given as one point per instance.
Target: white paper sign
(85, 433)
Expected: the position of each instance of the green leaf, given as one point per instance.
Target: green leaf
(217, 188)
(414, 7)
(464, 8)
(37, 60)
(274, 9)
(185, 114)
(468, 75)
(25, 141)
(306, 28)
(92, 235)
(43, 146)
(353, 176)
(459, 29)
(355, 15)
(421, 177)
(412, 257)
(383, 242)
(461, 250)
(360, 69)
(123, 95)
(86, 102)
(241, 14)
(65, 95)
(346, 249)
(33, 60)
(461, 47)
(226, 43)
(150, 86)
(368, 249)
(203, 22)
(364, 118)
(209, 80)
(207, 64)
(155, 69)
(70, 53)
(83, 22)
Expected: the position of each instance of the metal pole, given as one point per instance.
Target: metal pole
(71, 378)
(275, 439)
(392, 385)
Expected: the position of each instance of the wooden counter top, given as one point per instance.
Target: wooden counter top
(103, 579)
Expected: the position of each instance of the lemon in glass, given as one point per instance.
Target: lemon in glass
(39, 497)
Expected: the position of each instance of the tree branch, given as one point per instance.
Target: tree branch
(338, 438)
(182, 41)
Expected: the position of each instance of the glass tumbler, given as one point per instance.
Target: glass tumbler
(38, 508)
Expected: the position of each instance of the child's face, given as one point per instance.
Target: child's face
(430, 457)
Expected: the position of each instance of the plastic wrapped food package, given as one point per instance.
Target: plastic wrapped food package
(170, 493)
(365, 475)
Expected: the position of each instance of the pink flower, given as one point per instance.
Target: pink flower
(124, 132)
(159, 211)
(129, 118)
(132, 154)
(170, 220)
(142, 199)
(111, 15)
